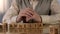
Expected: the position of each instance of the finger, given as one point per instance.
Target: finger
(28, 18)
(23, 14)
(30, 12)
(29, 9)
(27, 13)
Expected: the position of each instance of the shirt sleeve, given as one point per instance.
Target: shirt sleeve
(11, 14)
(54, 18)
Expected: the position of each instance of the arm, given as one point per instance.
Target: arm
(54, 18)
(11, 14)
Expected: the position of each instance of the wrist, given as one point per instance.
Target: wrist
(18, 19)
(40, 20)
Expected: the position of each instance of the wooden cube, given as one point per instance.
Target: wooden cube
(33, 25)
(20, 25)
(39, 25)
(53, 30)
(5, 26)
(1, 28)
(12, 27)
(27, 25)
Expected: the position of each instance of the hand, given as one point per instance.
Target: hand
(35, 16)
(24, 12)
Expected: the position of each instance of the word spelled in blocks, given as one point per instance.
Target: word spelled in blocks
(53, 30)
(26, 28)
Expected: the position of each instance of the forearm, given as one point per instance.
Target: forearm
(53, 19)
(9, 20)
(10, 15)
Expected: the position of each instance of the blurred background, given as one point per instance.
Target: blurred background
(4, 6)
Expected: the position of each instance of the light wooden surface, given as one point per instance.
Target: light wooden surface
(2, 33)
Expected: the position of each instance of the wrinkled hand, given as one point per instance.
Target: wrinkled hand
(24, 12)
(29, 14)
(35, 16)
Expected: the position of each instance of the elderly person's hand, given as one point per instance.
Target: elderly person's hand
(24, 12)
(29, 14)
(35, 16)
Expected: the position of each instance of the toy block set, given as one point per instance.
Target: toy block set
(26, 28)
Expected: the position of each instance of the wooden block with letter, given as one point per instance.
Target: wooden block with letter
(13, 27)
(53, 29)
(3, 28)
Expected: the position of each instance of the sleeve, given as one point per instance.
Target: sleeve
(11, 14)
(54, 18)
